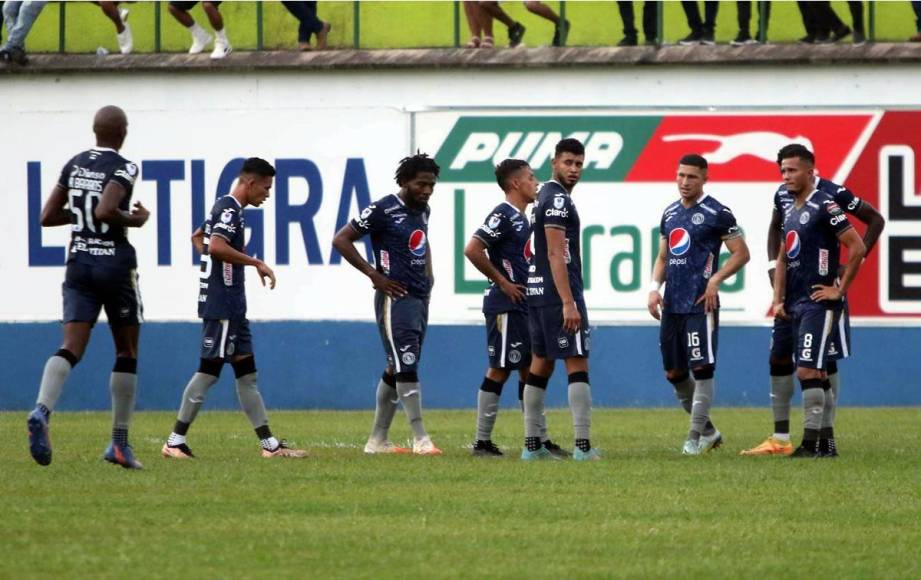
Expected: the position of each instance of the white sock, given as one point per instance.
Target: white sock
(221, 34)
(175, 440)
(782, 436)
(270, 444)
(196, 30)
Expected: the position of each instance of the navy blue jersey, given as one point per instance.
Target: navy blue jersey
(506, 234)
(85, 177)
(693, 236)
(811, 244)
(221, 293)
(399, 237)
(554, 209)
(843, 196)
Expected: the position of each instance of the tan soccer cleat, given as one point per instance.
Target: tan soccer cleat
(284, 451)
(375, 446)
(424, 446)
(770, 446)
(180, 451)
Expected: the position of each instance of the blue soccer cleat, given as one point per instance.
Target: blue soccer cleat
(122, 455)
(39, 439)
(542, 453)
(591, 455)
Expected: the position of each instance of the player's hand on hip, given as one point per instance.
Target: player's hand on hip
(572, 319)
(654, 304)
(266, 272)
(820, 292)
(780, 311)
(515, 292)
(710, 297)
(140, 214)
(389, 287)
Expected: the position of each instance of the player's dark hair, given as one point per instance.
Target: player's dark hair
(258, 166)
(795, 150)
(506, 169)
(569, 145)
(410, 167)
(694, 160)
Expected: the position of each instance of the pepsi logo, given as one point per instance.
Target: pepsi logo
(417, 243)
(679, 241)
(528, 251)
(793, 244)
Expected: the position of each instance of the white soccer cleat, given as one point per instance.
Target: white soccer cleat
(200, 40)
(375, 446)
(221, 49)
(710, 442)
(125, 40)
(424, 446)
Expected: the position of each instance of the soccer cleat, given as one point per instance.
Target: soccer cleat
(180, 451)
(200, 41)
(486, 449)
(691, 447)
(770, 446)
(803, 451)
(122, 455)
(591, 455)
(556, 450)
(284, 451)
(374, 447)
(542, 453)
(39, 438)
(710, 442)
(424, 446)
(221, 49)
(828, 448)
(515, 34)
(125, 40)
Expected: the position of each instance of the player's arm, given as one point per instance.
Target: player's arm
(738, 257)
(53, 212)
(220, 248)
(855, 254)
(108, 211)
(875, 223)
(780, 283)
(475, 252)
(198, 240)
(556, 255)
(775, 232)
(344, 242)
(654, 303)
(429, 268)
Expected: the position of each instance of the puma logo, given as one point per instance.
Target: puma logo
(761, 144)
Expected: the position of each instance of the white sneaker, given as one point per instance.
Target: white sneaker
(425, 446)
(221, 49)
(199, 41)
(708, 442)
(375, 446)
(125, 40)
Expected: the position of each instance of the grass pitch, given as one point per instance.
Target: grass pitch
(645, 511)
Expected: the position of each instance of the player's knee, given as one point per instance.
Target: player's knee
(832, 367)
(578, 377)
(408, 377)
(677, 377)
(538, 381)
(125, 365)
(68, 356)
(782, 367)
(491, 386)
(244, 366)
(703, 373)
(211, 366)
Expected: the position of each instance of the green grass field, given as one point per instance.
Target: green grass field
(413, 24)
(645, 511)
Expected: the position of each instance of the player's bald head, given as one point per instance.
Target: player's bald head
(110, 126)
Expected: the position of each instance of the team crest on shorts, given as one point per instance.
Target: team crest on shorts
(208, 342)
(514, 357)
(124, 312)
(408, 358)
(491, 350)
(563, 342)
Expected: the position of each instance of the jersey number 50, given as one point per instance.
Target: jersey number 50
(84, 211)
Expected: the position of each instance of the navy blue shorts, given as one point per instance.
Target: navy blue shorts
(507, 340)
(689, 340)
(223, 339)
(88, 289)
(813, 327)
(550, 341)
(402, 324)
(782, 340)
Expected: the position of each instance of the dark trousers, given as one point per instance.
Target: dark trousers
(692, 12)
(819, 19)
(745, 17)
(650, 19)
(306, 13)
(916, 6)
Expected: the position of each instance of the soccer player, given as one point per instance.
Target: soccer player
(500, 249)
(805, 288)
(398, 224)
(557, 318)
(692, 231)
(781, 355)
(93, 195)
(222, 307)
